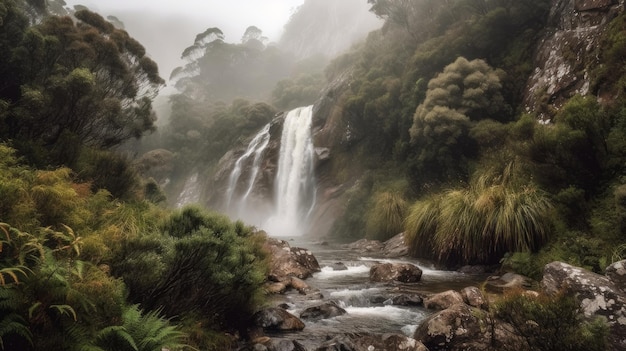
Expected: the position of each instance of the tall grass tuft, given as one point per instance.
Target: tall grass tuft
(385, 216)
(494, 215)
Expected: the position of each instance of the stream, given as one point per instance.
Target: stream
(368, 307)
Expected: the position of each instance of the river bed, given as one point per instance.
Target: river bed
(368, 307)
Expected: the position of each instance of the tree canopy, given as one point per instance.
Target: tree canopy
(74, 83)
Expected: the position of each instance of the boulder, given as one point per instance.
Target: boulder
(299, 284)
(285, 345)
(443, 300)
(616, 273)
(450, 328)
(597, 294)
(323, 311)
(395, 247)
(508, 281)
(407, 300)
(366, 246)
(338, 266)
(474, 297)
(366, 342)
(275, 287)
(401, 272)
(277, 319)
(289, 261)
(462, 327)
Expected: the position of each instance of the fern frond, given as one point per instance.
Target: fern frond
(117, 332)
(65, 309)
(14, 324)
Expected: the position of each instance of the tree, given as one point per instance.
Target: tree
(464, 92)
(85, 82)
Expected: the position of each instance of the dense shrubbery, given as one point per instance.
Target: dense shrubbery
(58, 240)
(550, 323)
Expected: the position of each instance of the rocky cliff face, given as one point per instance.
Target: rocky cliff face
(567, 52)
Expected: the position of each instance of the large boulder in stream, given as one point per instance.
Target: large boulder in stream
(597, 295)
(323, 311)
(289, 261)
(462, 327)
(401, 272)
(277, 319)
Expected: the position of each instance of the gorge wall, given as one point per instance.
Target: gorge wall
(567, 52)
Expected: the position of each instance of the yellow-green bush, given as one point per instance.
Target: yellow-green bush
(495, 214)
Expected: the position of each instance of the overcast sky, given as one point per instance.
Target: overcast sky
(167, 27)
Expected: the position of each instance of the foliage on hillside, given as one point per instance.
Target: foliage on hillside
(430, 105)
(80, 270)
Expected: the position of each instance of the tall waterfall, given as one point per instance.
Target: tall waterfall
(294, 182)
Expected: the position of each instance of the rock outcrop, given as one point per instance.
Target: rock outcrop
(289, 261)
(567, 51)
(616, 272)
(597, 294)
(401, 272)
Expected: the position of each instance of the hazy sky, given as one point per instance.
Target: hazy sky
(167, 27)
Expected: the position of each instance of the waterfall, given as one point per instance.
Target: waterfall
(294, 182)
(256, 147)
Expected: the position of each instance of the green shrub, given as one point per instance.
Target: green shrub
(202, 263)
(551, 323)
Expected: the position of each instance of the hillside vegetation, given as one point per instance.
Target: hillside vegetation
(434, 115)
(89, 260)
(435, 143)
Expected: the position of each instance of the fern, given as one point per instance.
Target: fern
(13, 324)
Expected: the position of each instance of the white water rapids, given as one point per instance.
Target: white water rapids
(368, 304)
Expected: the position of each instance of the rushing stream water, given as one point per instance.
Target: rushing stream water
(367, 304)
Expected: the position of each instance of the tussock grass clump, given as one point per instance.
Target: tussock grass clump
(385, 216)
(495, 214)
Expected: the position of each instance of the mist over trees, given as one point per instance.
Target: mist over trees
(327, 28)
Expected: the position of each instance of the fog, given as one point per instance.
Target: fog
(166, 28)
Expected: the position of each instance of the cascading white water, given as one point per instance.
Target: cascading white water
(294, 182)
(256, 147)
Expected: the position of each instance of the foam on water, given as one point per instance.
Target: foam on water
(347, 293)
(329, 273)
(385, 312)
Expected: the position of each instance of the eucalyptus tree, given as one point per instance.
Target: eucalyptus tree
(74, 82)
